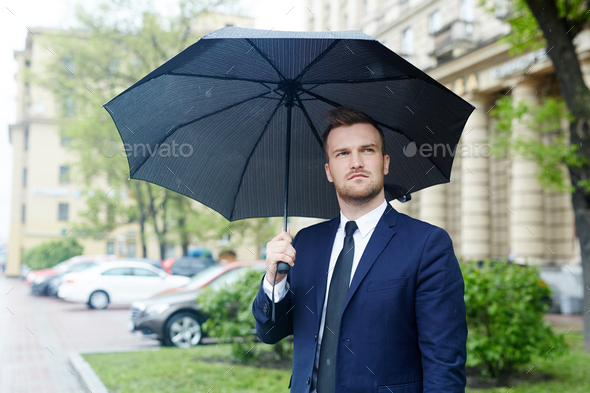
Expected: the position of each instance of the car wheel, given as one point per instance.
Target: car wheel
(98, 300)
(183, 330)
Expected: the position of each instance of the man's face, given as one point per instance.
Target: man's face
(356, 166)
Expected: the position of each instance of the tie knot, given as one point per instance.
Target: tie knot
(350, 228)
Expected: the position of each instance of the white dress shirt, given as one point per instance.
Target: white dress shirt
(366, 224)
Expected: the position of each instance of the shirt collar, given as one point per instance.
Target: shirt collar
(368, 221)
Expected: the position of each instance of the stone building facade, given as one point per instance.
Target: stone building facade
(494, 207)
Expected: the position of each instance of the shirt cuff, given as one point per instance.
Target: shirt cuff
(280, 289)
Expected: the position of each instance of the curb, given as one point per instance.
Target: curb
(86, 374)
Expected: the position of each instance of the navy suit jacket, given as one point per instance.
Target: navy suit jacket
(403, 328)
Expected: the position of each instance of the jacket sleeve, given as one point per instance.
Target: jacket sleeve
(268, 332)
(440, 316)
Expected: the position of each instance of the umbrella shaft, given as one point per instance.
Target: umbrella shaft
(289, 106)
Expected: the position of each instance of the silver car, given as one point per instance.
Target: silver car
(173, 317)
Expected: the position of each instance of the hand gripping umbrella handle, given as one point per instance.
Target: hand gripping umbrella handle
(283, 267)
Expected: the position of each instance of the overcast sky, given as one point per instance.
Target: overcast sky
(17, 15)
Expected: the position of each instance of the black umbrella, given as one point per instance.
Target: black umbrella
(235, 120)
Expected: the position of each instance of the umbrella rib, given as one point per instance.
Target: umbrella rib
(318, 58)
(267, 59)
(251, 154)
(315, 132)
(176, 128)
(229, 78)
(352, 81)
(335, 104)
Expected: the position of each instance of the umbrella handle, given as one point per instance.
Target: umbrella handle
(283, 267)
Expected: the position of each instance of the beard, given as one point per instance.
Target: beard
(359, 194)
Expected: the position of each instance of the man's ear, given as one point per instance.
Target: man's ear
(328, 174)
(385, 164)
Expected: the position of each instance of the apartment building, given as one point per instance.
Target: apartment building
(46, 200)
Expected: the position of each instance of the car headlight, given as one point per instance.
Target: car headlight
(156, 309)
(40, 279)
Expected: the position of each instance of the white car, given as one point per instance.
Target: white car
(117, 282)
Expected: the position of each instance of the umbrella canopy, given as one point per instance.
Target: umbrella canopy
(238, 116)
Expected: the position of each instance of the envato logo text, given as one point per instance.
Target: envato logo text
(472, 150)
(143, 150)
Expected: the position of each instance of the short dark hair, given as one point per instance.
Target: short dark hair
(343, 116)
(230, 252)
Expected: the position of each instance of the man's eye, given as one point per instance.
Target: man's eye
(343, 152)
(368, 148)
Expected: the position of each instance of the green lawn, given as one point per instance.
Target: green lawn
(180, 370)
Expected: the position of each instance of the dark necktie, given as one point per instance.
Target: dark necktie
(336, 298)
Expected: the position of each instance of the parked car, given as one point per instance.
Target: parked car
(187, 266)
(118, 282)
(38, 280)
(173, 317)
(53, 283)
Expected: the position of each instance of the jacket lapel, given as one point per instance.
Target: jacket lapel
(379, 238)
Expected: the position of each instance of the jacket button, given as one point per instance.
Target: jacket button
(308, 379)
(346, 339)
(316, 337)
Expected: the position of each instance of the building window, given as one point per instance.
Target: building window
(131, 250)
(64, 175)
(64, 140)
(225, 239)
(434, 22)
(467, 10)
(63, 212)
(22, 217)
(68, 63)
(68, 107)
(111, 248)
(408, 43)
(24, 177)
(26, 144)
(170, 251)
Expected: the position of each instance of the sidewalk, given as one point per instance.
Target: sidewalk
(566, 322)
(38, 333)
(31, 358)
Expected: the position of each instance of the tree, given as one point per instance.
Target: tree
(256, 232)
(49, 254)
(110, 47)
(554, 24)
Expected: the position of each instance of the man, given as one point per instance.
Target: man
(227, 256)
(375, 300)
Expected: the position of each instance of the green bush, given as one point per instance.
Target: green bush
(505, 317)
(50, 253)
(231, 319)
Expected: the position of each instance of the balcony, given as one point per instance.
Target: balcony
(453, 39)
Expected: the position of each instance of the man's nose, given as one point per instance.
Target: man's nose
(356, 160)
